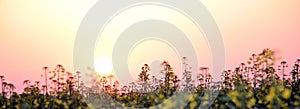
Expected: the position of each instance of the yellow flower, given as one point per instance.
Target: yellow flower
(66, 105)
(259, 101)
(193, 105)
(269, 97)
(249, 95)
(272, 91)
(236, 102)
(168, 104)
(58, 101)
(251, 103)
(233, 94)
(17, 107)
(161, 96)
(195, 95)
(204, 102)
(69, 102)
(35, 101)
(286, 93)
(271, 94)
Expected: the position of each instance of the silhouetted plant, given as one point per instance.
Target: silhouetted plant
(143, 77)
(252, 85)
(45, 68)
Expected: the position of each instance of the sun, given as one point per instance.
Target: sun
(103, 65)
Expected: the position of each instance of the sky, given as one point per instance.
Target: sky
(41, 33)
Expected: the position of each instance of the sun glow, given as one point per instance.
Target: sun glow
(103, 65)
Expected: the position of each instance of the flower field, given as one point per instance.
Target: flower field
(257, 83)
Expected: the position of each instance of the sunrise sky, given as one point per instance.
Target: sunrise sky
(41, 33)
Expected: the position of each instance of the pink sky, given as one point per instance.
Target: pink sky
(38, 33)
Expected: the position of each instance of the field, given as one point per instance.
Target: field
(254, 84)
